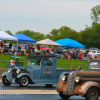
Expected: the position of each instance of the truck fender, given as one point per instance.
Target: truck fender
(22, 74)
(60, 76)
(8, 76)
(85, 86)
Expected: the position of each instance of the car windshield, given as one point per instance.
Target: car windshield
(94, 65)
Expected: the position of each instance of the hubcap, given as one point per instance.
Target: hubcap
(24, 81)
(93, 94)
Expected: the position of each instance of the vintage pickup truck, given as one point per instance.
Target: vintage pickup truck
(83, 83)
(41, 69)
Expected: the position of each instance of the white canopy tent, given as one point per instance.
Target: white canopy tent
(47, 42)
(6, 36)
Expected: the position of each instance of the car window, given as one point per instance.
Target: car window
(47, 61)
(94, 65)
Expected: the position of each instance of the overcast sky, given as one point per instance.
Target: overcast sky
(44, 15)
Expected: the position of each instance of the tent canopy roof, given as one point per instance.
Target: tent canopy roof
(70, 43)
(47, 42)
(6, 36)
(23, 38)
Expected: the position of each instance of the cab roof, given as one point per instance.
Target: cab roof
(39, 56)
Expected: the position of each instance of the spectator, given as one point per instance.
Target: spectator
(68, 56)
(71, 67)
(52, 52)
(38, 47)
(71, 51)
(5, 49)
(77, 54)
(41, 52)
(36, 50)
(47, 52)
(25, 47)
(74, 55)
(93, 55)
(33, 47)
(85, 55)
(1, 47)
(79, 68)
(80, 56)
(30, 47)
(19, 51)
(10, 46)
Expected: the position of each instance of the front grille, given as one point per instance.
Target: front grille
(70, 83)
(14, 70)
(14, 74)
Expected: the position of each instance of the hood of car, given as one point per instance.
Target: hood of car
(87, 73)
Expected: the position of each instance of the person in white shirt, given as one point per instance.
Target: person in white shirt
(93, 55)
(12, 62)
(36, 50)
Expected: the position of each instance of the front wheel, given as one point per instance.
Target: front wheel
(5, 81)
(23, 81)
(92, 94)
(64, 96)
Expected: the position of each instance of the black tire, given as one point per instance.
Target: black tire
(64, 96)
(92, 94)
(5, 81)
(23, 81)
(48, 85)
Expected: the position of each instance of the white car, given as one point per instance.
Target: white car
(93, 51)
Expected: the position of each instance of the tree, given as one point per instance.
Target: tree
(95, 13)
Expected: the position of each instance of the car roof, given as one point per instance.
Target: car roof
(39, 56)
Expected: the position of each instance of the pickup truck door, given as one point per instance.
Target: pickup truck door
(48, 68)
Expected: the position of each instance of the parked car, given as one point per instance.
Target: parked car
(82, 83)
(93, 51)
(42, 69)
(44, 47)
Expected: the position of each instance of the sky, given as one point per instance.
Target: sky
(44, 15)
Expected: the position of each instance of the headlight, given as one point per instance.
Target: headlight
(9, 70)
(77, 79)
(63, 78)
(18, 71)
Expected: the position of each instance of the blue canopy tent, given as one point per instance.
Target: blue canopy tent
(23, 38)
(69, 43)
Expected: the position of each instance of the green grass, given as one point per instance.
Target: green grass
(61, 63)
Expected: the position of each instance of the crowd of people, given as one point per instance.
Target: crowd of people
(77, 54)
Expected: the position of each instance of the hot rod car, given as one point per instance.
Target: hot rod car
(83, 83)
(41, 69)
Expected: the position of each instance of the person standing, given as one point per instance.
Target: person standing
(25, 47)
(10, 46)
(1, 47)
(38, 47)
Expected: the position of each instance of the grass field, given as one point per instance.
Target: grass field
(61, 63)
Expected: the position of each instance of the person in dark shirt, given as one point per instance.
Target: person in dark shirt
(10, 46)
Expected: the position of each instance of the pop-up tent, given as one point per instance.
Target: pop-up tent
(23, 38)
(6, 36)
(47, 42)
(70, 43)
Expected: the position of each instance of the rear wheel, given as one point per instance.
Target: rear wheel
(5, 81)
(92, 94)
(23, 81)
(64, 96)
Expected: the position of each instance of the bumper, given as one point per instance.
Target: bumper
(61, 86)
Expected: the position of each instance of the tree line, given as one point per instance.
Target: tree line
(90, 36)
